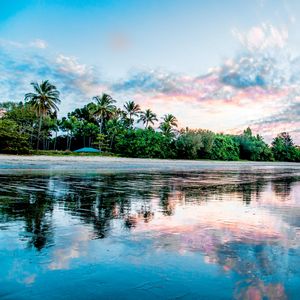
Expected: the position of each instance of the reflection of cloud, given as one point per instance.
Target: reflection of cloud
(259, 290)
(205, 227)
(233, 219)
(30, 279)
(76, 248)
(238, 238)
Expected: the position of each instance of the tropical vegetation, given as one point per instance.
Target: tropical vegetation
(33, 125)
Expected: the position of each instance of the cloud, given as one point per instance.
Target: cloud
(38, 44)
(152, 81)
(263, 61)
(267, 70)
(285, 120)
(77, 82)
(263, 37)
(257, 87)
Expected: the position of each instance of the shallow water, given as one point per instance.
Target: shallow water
(210, 234)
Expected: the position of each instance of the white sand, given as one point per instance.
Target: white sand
(98, 163)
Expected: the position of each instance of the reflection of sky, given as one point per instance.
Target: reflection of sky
(216, 235)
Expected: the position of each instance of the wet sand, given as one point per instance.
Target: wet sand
(98, 163)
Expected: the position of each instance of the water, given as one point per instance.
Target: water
(208, 234)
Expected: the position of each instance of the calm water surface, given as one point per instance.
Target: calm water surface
(213, 234)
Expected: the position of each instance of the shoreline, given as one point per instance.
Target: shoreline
(102, 163)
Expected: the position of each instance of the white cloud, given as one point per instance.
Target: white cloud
(71, 64)
(263, 37)
(40, 44)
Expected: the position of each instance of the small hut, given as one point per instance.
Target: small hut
(87, 150)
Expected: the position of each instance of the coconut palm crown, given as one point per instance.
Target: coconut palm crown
(104, 108)
(147, 117)
(131, 109)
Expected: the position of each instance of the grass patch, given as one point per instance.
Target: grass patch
(68, 153)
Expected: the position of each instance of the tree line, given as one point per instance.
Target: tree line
(32, 125)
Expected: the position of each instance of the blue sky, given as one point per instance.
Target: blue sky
(199, 60)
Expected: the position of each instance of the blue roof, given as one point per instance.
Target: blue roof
(87, 150)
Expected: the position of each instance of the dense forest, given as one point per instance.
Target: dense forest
(32, 126)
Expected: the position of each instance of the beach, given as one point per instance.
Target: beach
(99, 163)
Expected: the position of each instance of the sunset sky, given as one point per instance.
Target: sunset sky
(220, 65)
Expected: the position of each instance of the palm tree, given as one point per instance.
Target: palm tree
(166, 126)
(170, 120)
(104, 108)
(131, 109)
(44, 101)
(147, 117)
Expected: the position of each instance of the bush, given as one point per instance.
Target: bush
(224, 148)
(11, 140)
(253, 147)
(144, 143)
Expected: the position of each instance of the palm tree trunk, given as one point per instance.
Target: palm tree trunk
(54, 147)
(111, 141)
(101, 125)
(39, 133)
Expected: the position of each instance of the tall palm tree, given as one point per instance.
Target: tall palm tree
(44, 101)
(147, 117)
(104, 108)
(131, 109)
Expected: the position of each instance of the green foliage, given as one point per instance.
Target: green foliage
(253, 147)
(284, 149)
(145, 143)
(194, 144)
(103, 125)
(224, 148)
(147, 117)
(101, 142)
(188, 144)
(11, 139)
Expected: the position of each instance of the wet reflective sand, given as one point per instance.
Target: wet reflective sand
(209, 234)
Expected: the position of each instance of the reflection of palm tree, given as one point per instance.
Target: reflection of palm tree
(168, 210)
(44, 101)
(35, 209)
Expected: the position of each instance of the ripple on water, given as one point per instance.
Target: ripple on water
(209, 234)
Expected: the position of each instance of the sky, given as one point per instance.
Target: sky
(218, 65)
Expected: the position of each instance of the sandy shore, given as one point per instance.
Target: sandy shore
(98, 163)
